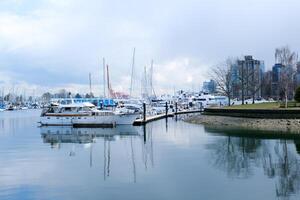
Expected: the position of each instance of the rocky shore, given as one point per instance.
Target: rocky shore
(283, 125)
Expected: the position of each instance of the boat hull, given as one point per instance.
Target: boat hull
(110, 120)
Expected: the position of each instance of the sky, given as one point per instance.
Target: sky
(47, 45)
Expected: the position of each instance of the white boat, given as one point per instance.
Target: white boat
(86, 114)
(24, 108)
(208, 100)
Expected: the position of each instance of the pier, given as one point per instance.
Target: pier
(146, 119)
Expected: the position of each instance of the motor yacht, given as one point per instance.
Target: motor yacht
(86, 114)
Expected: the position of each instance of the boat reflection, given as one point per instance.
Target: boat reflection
(64, 134)
(140, 148)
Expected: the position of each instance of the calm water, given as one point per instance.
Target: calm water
(173, 160)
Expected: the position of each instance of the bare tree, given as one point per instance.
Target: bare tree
(222, 75)
(255, 82)
(242, 76)
(288, 59)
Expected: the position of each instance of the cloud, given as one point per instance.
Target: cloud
(53, 43)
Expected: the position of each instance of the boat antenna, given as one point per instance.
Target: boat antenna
(132, 72)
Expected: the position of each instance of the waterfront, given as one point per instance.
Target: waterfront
(173, 160)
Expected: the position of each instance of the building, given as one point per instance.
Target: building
(209, 86)
(247, 76)
(275, 86)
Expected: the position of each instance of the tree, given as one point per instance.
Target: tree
(62, 93)
(288, 59)
(78, 96)
(266, 85)
(46, 97)
(297, 94)
(222, 75)
(255, 82)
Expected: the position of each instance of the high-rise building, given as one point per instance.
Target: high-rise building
(209, 86)
(247, 76)
(275, 87)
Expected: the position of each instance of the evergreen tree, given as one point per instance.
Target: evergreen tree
(297, 94)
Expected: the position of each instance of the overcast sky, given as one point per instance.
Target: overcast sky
(53, 44)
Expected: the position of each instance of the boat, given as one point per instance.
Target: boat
(11, 107)
(86, 115)
(24, 108)
(207, 100)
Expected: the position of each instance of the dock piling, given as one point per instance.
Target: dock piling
(166, 109)
(144, 112)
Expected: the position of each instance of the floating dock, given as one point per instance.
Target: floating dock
(148, 119)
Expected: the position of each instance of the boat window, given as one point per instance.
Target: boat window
(68, 109)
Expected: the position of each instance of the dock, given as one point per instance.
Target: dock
(147, 119)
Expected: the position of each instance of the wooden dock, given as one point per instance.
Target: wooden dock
(148, 119)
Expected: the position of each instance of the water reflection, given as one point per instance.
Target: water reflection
(65, 134)
(88, 137)
(238, 155)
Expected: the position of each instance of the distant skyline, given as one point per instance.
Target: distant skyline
(55, 44)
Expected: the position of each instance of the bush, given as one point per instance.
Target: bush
(297, 94)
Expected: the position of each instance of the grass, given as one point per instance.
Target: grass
(268, 105)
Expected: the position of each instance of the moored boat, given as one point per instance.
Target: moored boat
(86, 114)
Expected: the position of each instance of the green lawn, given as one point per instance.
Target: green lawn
(269, 105)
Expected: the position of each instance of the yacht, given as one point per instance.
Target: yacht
(208, 100)
(86, 114)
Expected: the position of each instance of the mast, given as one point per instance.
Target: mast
(108, 83)
(145, 83)
(104, 80)
(132, 72)
(90, 80)
(152, 92)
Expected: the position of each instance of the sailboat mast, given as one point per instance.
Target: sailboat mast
(132, 72)
(145, 82)
(104, 79)
(152, 92)
(108, 83)
(90, 80)
(151, 78)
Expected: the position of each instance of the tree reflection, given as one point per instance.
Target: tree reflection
(238, 156)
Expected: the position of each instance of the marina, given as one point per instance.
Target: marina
(149, 100)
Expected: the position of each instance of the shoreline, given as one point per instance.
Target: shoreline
(279, 125)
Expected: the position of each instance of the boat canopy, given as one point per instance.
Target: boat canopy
(77, 105)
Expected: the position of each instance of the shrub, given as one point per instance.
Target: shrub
(297, 94)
